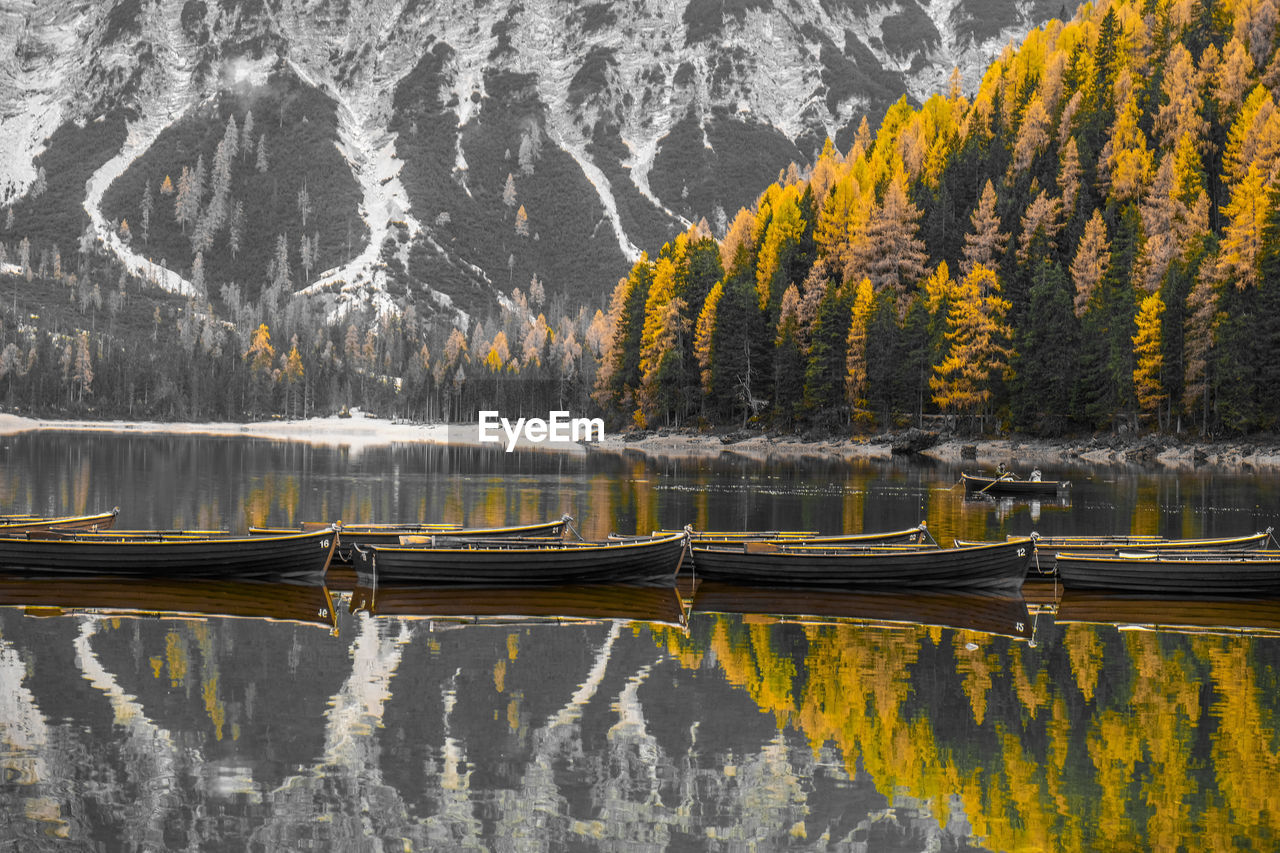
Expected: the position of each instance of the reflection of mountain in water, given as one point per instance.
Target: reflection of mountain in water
(743, 730)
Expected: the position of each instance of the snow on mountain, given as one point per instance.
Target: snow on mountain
(668, 110)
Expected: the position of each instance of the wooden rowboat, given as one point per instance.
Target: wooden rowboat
(1180, 572)
(1003, 613)
(918, 535)
(1002, 565)
(160, 598)
(351, 535)
(502, 605)
(1007, 484)
(299, 558)
(1044, 562)
(21, 524)
(654, 561)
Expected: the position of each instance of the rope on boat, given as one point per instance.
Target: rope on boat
(568, 522)
(1271, 538)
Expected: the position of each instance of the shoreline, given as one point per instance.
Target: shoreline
(360, 431)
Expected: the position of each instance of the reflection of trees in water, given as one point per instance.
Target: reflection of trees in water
(926, 737)
(1092, 740)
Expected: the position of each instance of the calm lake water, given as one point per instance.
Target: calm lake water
(945, 722)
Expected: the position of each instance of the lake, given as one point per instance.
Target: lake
(285, 720)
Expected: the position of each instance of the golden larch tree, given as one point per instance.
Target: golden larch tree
(1148, 356)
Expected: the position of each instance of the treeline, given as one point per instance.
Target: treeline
(1092, 240)
(95, 342)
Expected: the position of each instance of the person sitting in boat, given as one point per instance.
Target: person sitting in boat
(1001, 471)
(1035, 475)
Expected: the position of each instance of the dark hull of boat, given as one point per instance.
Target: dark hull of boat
(1000, 566)
(1044, 562)
(1213, 573)
(298, 559)
(1196, 614)
(364, 535)
(989, 613)
(154, 597)
(660, 605)
(992, 486)
(98, 521)
(652, 563)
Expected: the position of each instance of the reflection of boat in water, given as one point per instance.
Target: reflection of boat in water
(1196, 614)
(1003, 613)
(156, 597)
(522, 604)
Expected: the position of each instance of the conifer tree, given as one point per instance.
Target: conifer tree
(186, 203)
(986, 242)
(1148, 355)
(979, 348)
(897, 259)
(856, 390)
(261, 163)
(509, 191)
(789, 360)
(246, 135)
(703, 334)
(147, 204)
(1092, 260)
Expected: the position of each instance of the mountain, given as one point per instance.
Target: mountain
(439, 153)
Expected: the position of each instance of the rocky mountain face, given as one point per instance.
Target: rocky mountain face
(487, 142)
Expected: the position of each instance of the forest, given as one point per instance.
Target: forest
(1090, 241)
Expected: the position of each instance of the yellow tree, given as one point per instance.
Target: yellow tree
(1148, 356)
(1093, 257)
(781, 237)
(979, 347)
(662, 343)
(704, 333)
(499, 355)
(260, 355)
(1125, 163)
(1246, 215)
(986, 242)
(293, 373)
(856, 360)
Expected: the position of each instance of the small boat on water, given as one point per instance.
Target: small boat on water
(1044, 562)
(1189, 614)
(900, 567)
(1009, 484)
(298, 558)
(458, 561)
(160, 598)
(351, 535)
(918, 535)
(1179, 572)
(1001, 612)
(506, 605)
(22, 523)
